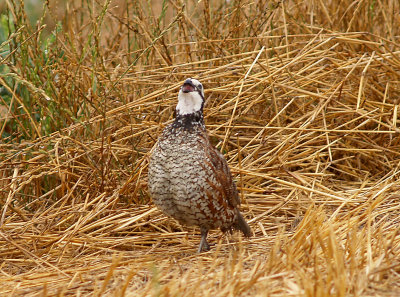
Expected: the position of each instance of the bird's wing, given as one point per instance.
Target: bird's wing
(224, 177)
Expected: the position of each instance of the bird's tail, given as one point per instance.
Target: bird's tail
(241, 225)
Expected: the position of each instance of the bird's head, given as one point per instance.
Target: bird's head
(190, 97)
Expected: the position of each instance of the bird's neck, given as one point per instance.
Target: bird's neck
(189, 121)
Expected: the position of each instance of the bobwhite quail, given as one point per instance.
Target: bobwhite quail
(189, 179)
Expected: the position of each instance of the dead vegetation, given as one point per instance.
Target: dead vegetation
(301, 97)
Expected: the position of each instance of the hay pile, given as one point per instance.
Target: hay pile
(302, 98)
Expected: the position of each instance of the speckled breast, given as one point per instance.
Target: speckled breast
(182, 180)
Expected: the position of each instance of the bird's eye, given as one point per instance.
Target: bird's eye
(200, 86)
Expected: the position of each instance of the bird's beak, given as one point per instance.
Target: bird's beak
(188, 86)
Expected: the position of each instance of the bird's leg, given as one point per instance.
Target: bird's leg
(203, 242)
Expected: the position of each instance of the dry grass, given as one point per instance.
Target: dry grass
(301, 97)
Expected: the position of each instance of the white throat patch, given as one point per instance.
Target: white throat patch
(188, 103)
